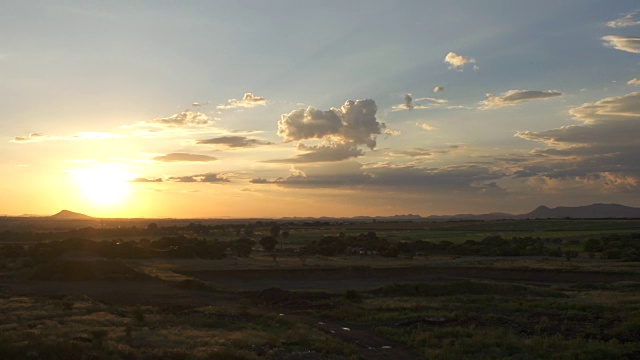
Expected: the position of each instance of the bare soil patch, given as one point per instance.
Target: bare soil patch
(369, 278)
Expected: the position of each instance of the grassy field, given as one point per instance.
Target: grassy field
(82, 306)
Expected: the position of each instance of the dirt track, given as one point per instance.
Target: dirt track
(365, 279)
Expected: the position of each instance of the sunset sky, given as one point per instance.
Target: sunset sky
(326, 108)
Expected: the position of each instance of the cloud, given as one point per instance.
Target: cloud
(438, 89)
(198, 104)
(354, 123)
(147, 180)
(343, 174)
(625, 21)
(408, 101)
(457, 62)
(259, 181)
(184, 157)
(460, 179)
(634, 81)
(33, 137)
(415, 153)
(38, 137)
(426, 153)
(321, 153)
(248, 101)
(234, 142)
(425, 126)
(185, 118)
(625, 43)
(606, 141)
(411, 103)
(201, 178)
(391, 132)
(513, 97)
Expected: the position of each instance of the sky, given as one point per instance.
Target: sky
(334, 108)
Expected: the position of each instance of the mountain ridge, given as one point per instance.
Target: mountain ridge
(593, 211)
(70, 215)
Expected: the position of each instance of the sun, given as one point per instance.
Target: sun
(103, 185)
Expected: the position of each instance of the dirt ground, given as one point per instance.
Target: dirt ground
(367, 279)
(280, 291)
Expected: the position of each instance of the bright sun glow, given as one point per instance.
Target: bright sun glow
(104, 185)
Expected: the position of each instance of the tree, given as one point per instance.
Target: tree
(153, 227)
(275, 230)
(243, 247)
(268, 242)
(248, 230)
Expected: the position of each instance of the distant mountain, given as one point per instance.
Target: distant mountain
(491, 216)
(69, 215)
(595, 211)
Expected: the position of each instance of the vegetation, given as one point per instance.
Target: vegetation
(149, 292)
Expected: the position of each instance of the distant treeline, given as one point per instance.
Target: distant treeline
(151, 230)
(625, 247)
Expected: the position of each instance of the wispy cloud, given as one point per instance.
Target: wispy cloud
(410, 103)
(514, 97)
(321, 153)
(38, 137)
(625, 43)
(635, 81)
(184, 157)
(605, 143)
(625, 20)
(457, 62)
(185, 118)
(147, 180)
(249, 100)
(234, 142)
(201, 178)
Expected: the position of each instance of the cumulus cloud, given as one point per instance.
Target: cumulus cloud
(201, 178)
(438, 89)
(514, 97)
(634, 81)
(626, 20)
(259, 181)
(457, 62)
(184, 157)
(234, 142)
(625, 43)
(352, 124)
(322, 153)
(249, 100)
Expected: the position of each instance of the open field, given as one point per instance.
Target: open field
(94, 303)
